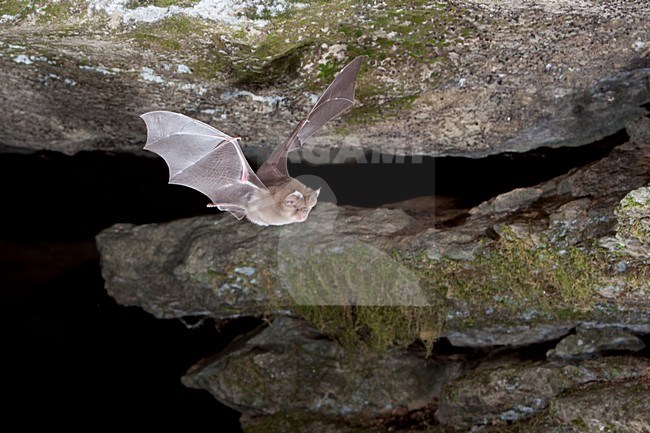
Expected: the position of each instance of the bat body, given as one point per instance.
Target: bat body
(210, 161)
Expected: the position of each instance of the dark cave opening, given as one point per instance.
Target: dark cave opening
(50, 196)
(53, 293)
(469, 181)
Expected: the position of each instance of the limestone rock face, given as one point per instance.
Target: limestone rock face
(627, 404)
(288, 367)
(633, 229)
(220, 267)
(515, 392)
(464, 78)
(185, 277)
(588, 343)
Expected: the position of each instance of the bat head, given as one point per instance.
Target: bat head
(298, 204)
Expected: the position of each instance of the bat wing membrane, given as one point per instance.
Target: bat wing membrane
(338, 97)
(203, 158)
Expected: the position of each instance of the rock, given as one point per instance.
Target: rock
(509, 202)
(320, 265)
(622, 408)
(187, 268)
(385, 222)
(513, 336)
(178, 269)
(590, 342)
(634, 215)
(633, 229)
(220, 267)
(638, 130)
(487, 78)
(571, 219)
(571, 209)
(456, 243)
(516, 392)
(288, 367)
(291, 422)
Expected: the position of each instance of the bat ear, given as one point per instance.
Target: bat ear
(293, 198)
(316, 193)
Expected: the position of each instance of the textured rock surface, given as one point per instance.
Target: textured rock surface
(633, 228)
(463, 78)
(572, 208)
(513, 336)
(288, 367)
(194, 268)
(220, 267)
(186, 275)
(589, 343)
(515, 392)
(625, 409)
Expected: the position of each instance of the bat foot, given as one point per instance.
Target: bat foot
(212, 205)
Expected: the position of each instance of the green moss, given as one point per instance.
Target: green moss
(516, 280)
(151, 40)
(394, 33)
(398, 32)
(580, 423)
(132, 4)
(18, 8)
(357, 274)
(60, 9)
(373, 112)
(327, 71)
(268, 10)
(181, 25)
(272, 70)
(46, 11)
(632, 217)
(511, 282)
(176, 35)
(375, 327)
(360, 296)
(173, 34)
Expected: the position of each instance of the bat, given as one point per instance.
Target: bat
(205, 159)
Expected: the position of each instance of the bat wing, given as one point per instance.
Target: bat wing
(204, 158)
(338, 97)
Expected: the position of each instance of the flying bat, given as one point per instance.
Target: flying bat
(210, 161)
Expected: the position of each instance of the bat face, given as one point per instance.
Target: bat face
(298, 206)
